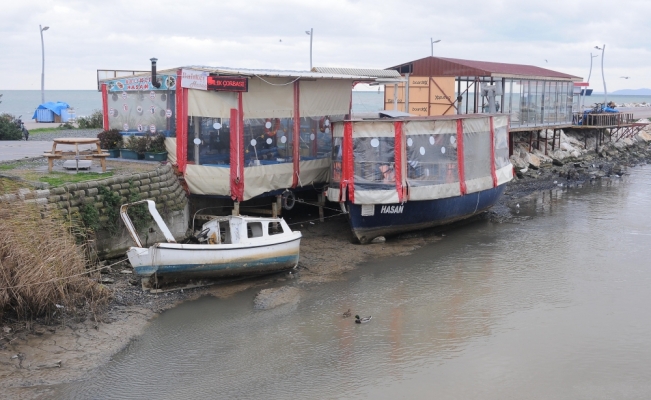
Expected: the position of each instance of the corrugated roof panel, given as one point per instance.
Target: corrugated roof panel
(369, 72)
(440, 66)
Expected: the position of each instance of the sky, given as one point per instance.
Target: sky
(85, 36)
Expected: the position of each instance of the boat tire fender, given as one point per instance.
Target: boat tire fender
(289, 200)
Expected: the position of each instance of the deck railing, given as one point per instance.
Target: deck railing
(603, 119)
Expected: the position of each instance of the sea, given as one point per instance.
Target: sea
(24, 102)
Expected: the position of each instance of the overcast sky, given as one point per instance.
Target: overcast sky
(88, 35)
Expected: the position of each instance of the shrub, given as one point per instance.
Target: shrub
(137, 144)
(111, 139)
(156, 143)
(94, 120)
(8, 128)
(66, 125)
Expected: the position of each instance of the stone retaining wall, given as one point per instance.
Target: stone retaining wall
(160, 185)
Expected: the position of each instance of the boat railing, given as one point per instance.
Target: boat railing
(151, 206)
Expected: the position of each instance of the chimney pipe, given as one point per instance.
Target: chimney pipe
(154, 81)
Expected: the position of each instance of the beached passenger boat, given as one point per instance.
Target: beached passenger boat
(401, 174)
(228, 246)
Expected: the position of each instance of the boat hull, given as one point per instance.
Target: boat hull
(392, 219)
(188, 261)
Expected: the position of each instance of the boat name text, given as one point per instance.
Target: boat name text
(391, 209)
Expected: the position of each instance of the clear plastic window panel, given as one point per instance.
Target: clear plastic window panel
(268, 141)
(432, 159)
(336, 165)
(476, 154)
(315, 137)
(374, 163)
(501, 147)
(209, 141)
(141, 112)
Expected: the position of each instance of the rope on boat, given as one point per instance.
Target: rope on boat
(64, 277)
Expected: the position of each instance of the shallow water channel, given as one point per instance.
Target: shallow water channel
(555, 304)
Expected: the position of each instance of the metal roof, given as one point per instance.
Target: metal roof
(252, 72)
(440, 66)
(368, 72)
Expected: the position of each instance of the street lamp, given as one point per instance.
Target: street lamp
(432, 44)
(45, 28)
(311, 34)
(603, 49)
(589, 74)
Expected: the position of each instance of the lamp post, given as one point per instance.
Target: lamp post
(589, 75)
(603, 49)
(432, 44)
(311, 34)
(41, 29)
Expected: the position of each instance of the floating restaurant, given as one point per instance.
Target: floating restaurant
(235, 133)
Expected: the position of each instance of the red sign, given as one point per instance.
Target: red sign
(228, 83)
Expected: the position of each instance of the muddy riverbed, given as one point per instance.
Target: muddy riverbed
(35, 355)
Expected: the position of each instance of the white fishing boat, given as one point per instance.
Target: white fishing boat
(228, 246)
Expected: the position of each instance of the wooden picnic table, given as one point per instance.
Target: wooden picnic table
(57, 154)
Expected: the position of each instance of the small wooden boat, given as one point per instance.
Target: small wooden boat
(230, 246)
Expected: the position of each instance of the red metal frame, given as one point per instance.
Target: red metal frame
(297, 135)
(181, 123)
(397, 168)
(462, 175)
(493, 173)
(348, 168)
(105, 117)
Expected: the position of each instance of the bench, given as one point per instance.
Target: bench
(86, 156)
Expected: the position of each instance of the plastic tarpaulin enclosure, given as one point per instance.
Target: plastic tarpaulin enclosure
(391, 161)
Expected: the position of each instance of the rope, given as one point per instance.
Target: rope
(62, 278)
(316, 219)
(275, 84)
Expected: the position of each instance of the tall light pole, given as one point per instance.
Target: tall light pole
(432, 41)
(603, 49)
(45, 28)
(311, 34)
(585, 91)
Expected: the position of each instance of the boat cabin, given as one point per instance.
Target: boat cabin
(241, 230)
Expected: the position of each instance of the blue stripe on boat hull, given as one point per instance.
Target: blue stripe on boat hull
(420, 214)
(239, 268)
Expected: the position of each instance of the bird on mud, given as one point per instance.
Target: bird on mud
(347, 314)
(364, 320)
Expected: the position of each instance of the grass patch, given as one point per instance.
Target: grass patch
(11, 186)
(60, 178)
(7, 167)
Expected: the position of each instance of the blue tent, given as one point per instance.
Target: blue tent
(46, 111)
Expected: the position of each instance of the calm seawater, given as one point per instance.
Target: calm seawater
(24, 102)
(554, 305)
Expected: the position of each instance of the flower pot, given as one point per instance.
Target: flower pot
(128, 154)
(149, 156)
(114, 153)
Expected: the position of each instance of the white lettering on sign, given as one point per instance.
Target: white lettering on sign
(391, 209)
(152, 128)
